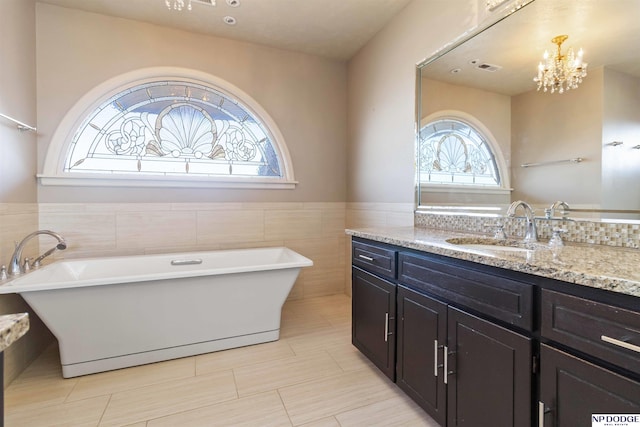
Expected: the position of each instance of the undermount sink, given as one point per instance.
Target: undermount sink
(484, 244)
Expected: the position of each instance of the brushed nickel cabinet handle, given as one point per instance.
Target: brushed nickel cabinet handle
(446, 363)
(541, 413)
(619, 343)
(435, 358)
(366, 258)
(386, 327)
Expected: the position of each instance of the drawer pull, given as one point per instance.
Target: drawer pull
(366, 258)
(619, 343)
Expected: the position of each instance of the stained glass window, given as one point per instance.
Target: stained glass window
(452, 151)
(174, 128)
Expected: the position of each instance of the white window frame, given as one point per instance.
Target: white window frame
(53, 171)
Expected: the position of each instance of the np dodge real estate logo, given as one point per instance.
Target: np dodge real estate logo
(615, 420)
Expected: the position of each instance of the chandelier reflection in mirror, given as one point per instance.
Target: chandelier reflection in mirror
(182, 4)
(173, 128)
(561, 72)
(178, 4)
(453, 152)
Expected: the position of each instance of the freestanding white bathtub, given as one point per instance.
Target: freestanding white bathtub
(115, 312)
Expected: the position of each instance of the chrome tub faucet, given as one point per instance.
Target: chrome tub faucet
(17, 264)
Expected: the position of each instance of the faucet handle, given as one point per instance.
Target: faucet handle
(3, 272)
(556, 238)
(26, 266)
(499, 233)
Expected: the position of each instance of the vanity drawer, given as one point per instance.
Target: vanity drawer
(375, 259)
(501, 298)
(601, 330)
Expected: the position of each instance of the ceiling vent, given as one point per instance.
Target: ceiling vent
(489, 67)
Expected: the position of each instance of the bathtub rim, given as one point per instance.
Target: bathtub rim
(21, 284)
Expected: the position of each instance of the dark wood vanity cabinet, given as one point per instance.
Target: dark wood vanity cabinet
(463, 370)
(373, 325)
(484, 346)
(422, 336)
(489, 373)
(573, 388)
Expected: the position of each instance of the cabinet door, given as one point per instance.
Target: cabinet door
(572, 390)
(422, 334)
(373, 319)
(489, 374)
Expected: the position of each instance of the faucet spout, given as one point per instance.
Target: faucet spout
(551, 211)
(15, 267)
(531, 233)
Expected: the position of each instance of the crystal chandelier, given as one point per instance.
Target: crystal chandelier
(561, 72)
(177, 4)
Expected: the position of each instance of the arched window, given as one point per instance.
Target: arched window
(453, 151)
(171, 131)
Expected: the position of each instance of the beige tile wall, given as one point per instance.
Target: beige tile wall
(316, 230)
(364, 215)
(16, 221)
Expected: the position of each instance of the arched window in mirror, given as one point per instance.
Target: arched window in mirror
(171, 130)
(453, 151)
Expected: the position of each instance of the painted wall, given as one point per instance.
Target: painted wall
(381, 111)
(18, 210)
(541, 132)
(304, 94)
(381, 102)
(17, 100)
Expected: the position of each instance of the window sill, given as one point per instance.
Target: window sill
(448, 188)
(164, 182)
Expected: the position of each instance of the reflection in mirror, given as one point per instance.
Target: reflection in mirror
(487, 82)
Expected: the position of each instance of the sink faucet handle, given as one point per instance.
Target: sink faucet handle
(3, 272)
(26, 266)
(499, 233)
(556, 238)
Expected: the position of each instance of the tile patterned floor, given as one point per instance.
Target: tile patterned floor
(311, 377)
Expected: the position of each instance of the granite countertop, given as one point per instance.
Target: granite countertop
(12, 327)
(597, 266)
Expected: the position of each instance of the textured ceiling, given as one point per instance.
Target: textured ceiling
(607, 30)
(330, 28)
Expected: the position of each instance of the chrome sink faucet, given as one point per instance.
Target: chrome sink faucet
(551, 211)
(16, 265)
(531, 233)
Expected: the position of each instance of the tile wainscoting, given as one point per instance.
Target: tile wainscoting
(367, 215)
(16, 221)
(316, 230)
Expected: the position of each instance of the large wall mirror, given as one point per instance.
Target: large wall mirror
(487, 136)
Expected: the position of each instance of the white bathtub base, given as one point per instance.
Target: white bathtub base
(125, 361)
(109, 314)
